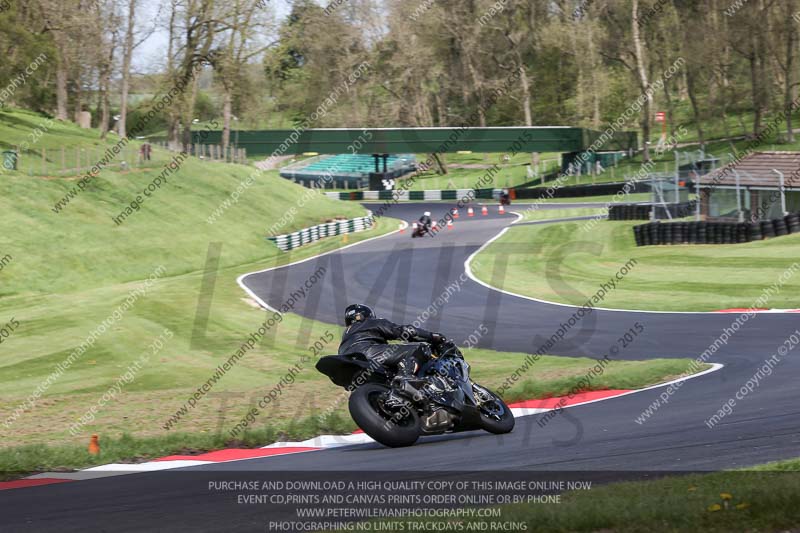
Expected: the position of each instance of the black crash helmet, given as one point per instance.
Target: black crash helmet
(356, 313)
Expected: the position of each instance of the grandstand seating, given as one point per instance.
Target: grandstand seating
(346, 171)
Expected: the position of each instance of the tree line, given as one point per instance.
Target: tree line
(431, 62)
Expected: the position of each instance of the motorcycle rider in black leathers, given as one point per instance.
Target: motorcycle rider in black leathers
(369, 335)
(425, 222)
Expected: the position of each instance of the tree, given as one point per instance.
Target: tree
(60, 20)
(131, 42)
(644, 82)
(312, 64)
(244, 21)
(25, 42)
(785, 52)
(748, 39)
(193, 27)
(693, 22)
(108, 47)
(127, 55)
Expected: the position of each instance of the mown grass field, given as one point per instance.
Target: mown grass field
(567, 262)
(532, 214)
(763, 498)
(604, 199)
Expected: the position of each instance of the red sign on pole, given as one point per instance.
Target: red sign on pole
(661, 116)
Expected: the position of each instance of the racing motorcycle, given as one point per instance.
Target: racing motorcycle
(419, 230)
(448, 400)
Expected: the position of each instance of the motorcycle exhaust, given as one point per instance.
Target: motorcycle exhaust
(437, 421)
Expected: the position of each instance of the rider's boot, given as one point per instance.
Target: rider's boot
(405, 381)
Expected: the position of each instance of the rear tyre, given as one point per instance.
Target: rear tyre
(496, 417)
(393, 428)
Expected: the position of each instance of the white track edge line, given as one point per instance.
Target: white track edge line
(474, 278)
(714, 368)
(265, 305)
(534, 410)
(539, 410)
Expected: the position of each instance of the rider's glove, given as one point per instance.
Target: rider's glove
(438, 339)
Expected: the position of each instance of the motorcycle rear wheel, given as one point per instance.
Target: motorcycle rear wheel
(391, 428)
(496, 417)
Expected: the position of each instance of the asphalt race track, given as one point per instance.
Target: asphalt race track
(400, 278)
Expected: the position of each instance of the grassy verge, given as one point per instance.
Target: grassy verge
(531, 215)
(765, 498)
(604, 199)
(296, 416)
(566, 263)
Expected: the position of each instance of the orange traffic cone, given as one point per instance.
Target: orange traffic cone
(502, 210)
(470, 212)
(94, 446)
(433, 224)
(455, 213)
(402, 228)
(449, 224)
(484, 211)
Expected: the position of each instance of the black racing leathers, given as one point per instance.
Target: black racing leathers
(371, 337)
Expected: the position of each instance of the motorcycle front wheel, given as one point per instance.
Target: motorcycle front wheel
(496, 417)
(391, 427)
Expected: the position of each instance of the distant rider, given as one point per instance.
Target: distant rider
(425, 221)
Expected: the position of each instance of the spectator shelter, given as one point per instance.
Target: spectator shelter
(421, 140)
(381, 142)
(347, 171)
(759, 186)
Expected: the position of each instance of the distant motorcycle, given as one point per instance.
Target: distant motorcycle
(419, 230)
(448, 401)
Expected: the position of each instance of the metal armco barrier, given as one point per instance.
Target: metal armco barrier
(401, 195)
(290, 241)
(656, 233)
(519, 193)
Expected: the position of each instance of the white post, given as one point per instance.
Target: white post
(697, 197)
(738, 195)
(653, 195)
(783, 192)
(677, 189)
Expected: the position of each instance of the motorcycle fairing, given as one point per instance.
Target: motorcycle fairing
(344, 369)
